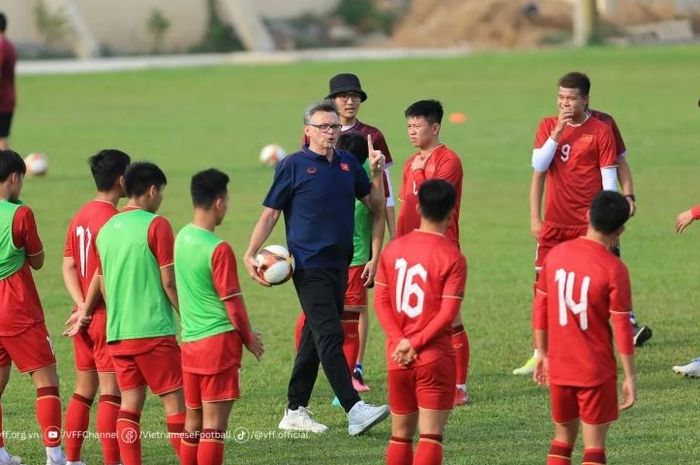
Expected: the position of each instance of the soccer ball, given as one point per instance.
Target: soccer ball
(37, 164)
(272, 154)
(275, 264)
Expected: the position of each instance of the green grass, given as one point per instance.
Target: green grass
(192, 119)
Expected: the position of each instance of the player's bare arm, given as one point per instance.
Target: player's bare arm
(83, 314)
(72, 281)
(376, 202)
(167, 279)
(36, 261)
(629, 384)
(624, 176)
(536, 193)
(686, 218)
(266, 223)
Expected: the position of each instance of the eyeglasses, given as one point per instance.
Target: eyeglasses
(326, 127)
(345, 96)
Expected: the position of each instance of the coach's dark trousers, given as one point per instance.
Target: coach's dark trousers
(321, 292)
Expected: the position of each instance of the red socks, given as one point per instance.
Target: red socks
(559, 453)
(176, 425)
(211, 447)
(129, 437)
(107, 413)
(77, 422)
(460, 344)
(594, 457)
(48, 415)
(429, 450)
(189, 447)
(351, 342)
(297, 330)
(399, 451)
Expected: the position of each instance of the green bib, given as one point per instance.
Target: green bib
(362, 234)
(202, 313)
(137, 306)
(11, 258)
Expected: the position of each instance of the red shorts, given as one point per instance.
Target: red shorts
(595, 405)
(551, 236)
(159, 368)
(31, 349)
(430, 386)
(356, 292)
(90, 346)
(211, 388)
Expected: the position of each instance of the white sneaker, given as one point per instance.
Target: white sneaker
(13, 460)
(79, 462)
(692, 369)
(362, 417)
(300, 420)
(60, 461)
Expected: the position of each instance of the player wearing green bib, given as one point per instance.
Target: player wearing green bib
(214, 322)
(135, 250)
(24, 339)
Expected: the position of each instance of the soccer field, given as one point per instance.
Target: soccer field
(187, 120)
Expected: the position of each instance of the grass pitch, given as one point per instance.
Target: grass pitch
(187, 120)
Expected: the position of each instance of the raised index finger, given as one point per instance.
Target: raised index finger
(369, 144)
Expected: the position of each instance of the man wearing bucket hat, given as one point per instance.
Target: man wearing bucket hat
(346, 92)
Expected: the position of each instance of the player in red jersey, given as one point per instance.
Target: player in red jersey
(93, 364)
(346, 92)
(24, 339)
(642, 333)
(135, 272)
(214, 320)
(582, 287)
(8, 59)
(420, 285)
(683, 220)
(577, 156)
(434, 161)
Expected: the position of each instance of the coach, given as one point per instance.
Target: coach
(316, 188)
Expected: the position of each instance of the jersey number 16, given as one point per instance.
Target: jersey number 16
(406, 286)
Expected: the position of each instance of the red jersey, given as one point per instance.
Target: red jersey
(20, 307)
(580, 285)
(81, 241)
(620, 147)
(8, 58)
(573, 177)
(420, 284)
(442, 164)
(215, 354)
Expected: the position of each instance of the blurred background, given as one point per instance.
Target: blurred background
(103, 28)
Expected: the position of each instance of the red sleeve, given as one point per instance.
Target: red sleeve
(620, 293)
(619, 141)
(225, 275)
(451, 299)
(24, 231)
(542, 134)
(450, 171)
(225, 278)
(606, 147)
(68, 246)
(403, 195)
(695, 212)
(382, 304)
(539, 304)
(161, 241)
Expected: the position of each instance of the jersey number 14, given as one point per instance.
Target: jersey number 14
(565, 291)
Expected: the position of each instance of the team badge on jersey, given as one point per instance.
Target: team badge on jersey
(345, 167)
(311, 171)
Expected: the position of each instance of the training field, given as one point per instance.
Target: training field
(187, 120)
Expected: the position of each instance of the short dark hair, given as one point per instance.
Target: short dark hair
(10, 162)
(576, 80)
(436, 198)
(106, 167)
(207, 186)
(324, 106)
(431, 110)
(3, 22)
(609, 211)
(140, 176)
(354, 143)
